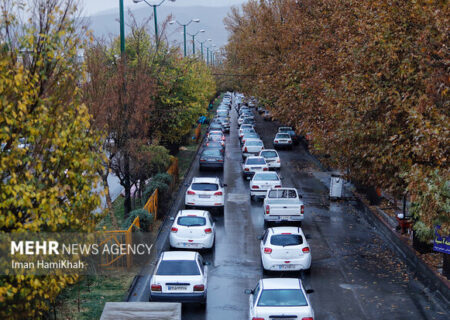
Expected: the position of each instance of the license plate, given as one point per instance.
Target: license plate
(270, 161)
(284, 218)
(177, 288)
(204, 196)
(283, 318)
(286, 266)
(190, 245)
(255, 168)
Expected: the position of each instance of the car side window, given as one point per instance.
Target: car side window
(266, 234)
(211, 221)
(200, 263)
(256, 293)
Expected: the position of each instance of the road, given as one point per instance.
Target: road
(354, 273)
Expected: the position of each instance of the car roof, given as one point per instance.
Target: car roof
(269, 150)
(290, 128)
(252, 139)
(205, 180)
(256, 158)
(178, 255)
(184, 213)
(282, 133)
(280, 230)
(281, 283)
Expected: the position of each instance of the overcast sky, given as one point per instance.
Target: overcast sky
(92, 7)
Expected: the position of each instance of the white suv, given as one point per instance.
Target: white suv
(179, 276)
(192, 229)
(275, 298)
(285, 249)
(205, 193)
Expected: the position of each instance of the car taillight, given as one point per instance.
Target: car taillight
(255, 187)
(265, 169)
(267, 209)
(199, 287)
(254, 318)
(208, 230)
(223, 138)
(302, 209)
(202, 160)
(174, 230)
(156, 287)
(191, 192)
(218, 193)
(276, 141)
(305, 250)
(267, 250)
(277, 186)
(308, 318)
(278, 161)
(245, 149)
(246, 169)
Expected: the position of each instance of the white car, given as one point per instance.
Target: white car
(272, 158)
(280, 298)
(285, 249)
(282, 140)
(263, 181)
(252, 165)
(245, 127)
(205, 193)
(192, 229)
(252, 147)
(179, 276)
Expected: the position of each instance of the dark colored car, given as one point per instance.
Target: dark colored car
(211, 158)
(216, 126)
(214, 145)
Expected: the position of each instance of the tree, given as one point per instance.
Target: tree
(47, 160)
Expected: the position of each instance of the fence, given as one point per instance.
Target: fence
(118, 237)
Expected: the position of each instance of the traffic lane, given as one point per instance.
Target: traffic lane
(350, 260)
(235, 259)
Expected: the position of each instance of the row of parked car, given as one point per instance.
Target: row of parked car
(182, 275)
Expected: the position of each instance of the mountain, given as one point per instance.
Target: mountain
(106, 24)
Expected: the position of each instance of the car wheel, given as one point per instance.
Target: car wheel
(266, 224)
(252, 198)
(299, 223)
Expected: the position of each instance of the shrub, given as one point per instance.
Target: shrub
(145, 219)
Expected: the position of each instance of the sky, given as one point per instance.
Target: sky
(92, 7)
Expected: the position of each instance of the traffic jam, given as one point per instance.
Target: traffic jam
(181, 274)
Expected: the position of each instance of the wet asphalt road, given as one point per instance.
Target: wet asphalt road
(353, 273)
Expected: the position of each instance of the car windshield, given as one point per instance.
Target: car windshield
(252, 161)
(282, 136)
(269, 154)
(215, 137)
(266, 176)
(282, 194)
(211, 153)
(286, 240)
(282, 297)
(251, 135)
(178, 268)
(191, 221)
(285, 129)
(254, 143)
(205, 186)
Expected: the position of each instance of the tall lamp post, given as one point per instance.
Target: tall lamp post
(155, 16)
(184, 30)
(193, 40)
(201, 46)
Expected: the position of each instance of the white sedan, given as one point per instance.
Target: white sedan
(205, 193)
(272, 158)
(253, 165)
(275, 298)
(192, 229)
(179, 276)
(263, 181)
(285, 249)
(252, 147)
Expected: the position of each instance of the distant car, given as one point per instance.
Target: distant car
(215, 126)
(272, 158)
(225, 124)
(211, 158)
(291, 132)
(282, 140)
(250, 134)
(193, 229)
(252, 165)
(285, 249)
(222, 114)
(280, 298)
(214, 145)
(249, 120)
(217, 138)
(205, 193)
(252, 147)
(246, 129)
(267, 115)
(244, 110)
(263, 181)
(179, 276)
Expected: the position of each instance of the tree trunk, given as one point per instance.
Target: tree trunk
(127, 186)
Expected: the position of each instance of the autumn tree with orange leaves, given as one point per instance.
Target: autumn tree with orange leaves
(368, 79)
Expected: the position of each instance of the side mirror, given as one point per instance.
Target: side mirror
(300, 196)
(207, 263)
(281, 178)
(309, 291)
(248, 291)
(307, 236)
(225, 185)
(186, 184)
(172, 218)
(259, 237)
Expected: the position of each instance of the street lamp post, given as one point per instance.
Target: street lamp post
(193, 40)
(184, 30)
(201, 48)
(154, 15)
